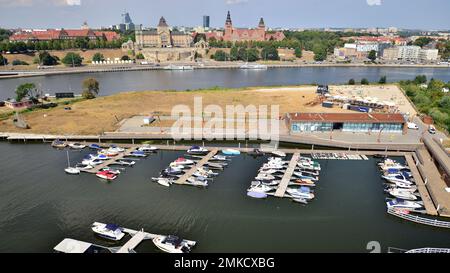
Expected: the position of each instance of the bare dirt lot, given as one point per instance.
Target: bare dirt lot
(104, 114)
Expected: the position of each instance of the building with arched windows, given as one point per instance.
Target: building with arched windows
(163, 37)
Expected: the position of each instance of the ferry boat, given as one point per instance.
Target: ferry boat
(173, 244)
(108, 231)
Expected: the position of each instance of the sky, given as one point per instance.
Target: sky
(409, 14)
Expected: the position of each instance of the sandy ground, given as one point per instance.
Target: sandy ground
(105, 114)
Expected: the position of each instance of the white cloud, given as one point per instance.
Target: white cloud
(233, 2)
(374, 2)
(30, 3)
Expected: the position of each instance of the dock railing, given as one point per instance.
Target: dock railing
(419, 220)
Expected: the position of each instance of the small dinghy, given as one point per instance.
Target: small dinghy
(77, 146)
(257, 195)
(173, 244)
(108, 231)
(59, 144)
(231, 152)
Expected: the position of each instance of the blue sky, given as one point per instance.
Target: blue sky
(416, 14)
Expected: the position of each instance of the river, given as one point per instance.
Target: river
(113, 82)
(40, 206)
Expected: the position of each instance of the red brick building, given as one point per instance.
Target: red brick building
(245, 34)
(63, 34)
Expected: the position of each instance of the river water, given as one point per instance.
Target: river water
(113, 82)
(40, 206)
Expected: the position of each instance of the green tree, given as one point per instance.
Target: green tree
(298, 52)
(220, 56)
(91, 88)
(320, 53)
(422, 41)
(98, 57)
(46, 59)
(234, 53)
(420, 79)
(125, 58)
(270, 53)
(252, 54)
(445, 102)
(365, 81)
(372, 55)
(436, 85)
(383, 80)
(3, 60)
(27, 90)
(351, 82)
(72, 59)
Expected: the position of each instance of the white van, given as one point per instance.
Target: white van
(432, 130)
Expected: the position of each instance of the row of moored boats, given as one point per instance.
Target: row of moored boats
(300, 187)
(400, 186)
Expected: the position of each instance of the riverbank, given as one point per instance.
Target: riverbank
(11, 74)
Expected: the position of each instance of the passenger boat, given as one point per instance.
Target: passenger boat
(108, 231)
(183, 161)
(401, 194)
(173, 244)
(59, 144)
(77, 146)
(197, 150)
(257, 195)
(106, 175)
(231, 152)
(403, 204)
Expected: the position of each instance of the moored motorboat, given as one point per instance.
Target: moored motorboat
(197, 150)
(173, 244)
(163, 181)
(403, 204)
(147, 149)
(279, 153)
(106, 175)
(72, 170)
(77, 146)
(95, 147)
(401, 194)
(257, 195)
(108, 231)
(183, 161)
(59, 144)
(231, 152)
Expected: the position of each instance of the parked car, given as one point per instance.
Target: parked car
(413, 126)
(432, 130)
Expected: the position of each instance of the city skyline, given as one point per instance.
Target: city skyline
(246, 13)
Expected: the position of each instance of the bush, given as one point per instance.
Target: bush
(91, 88)
(72, 59)
(140, 56)
(298, 52)
(365, 81)
(46, 59)
(220, 56)
(270, 53)
(125, 58)
(438, 116)
(420, 79)
(19, 62)
(383, 80)
(98, 57)
(351, 82)
(445, 102)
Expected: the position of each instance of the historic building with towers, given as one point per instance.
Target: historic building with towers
(163, 37)
(233, 34)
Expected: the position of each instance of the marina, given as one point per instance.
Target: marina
(217, 219)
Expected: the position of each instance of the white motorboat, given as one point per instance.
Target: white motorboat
(220, 158)
(303, 175)
(403, 204)
(197, 150)
(398, 178)
(108, 231)
(147, 149)
(114, 148)
(83, 167)
(404, 185)
(271, 183)
(279, 153)
(405, 195)
(390, 164)
(125, 162)
(196, 182)
(92, 162)
(265, 177)
(183, 161)
(173, 244)
(261, 188)
(163, 181)
(300, 193)
(71, 170)
(77, 146)
(313, 166)
(111, 170)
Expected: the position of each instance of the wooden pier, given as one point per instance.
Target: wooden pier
(182, 180)
(287, 176)
(110, 161)
(426, 198)
(137, 238)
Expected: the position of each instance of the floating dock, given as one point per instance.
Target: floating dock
(182, 180)
(281, 191)
(111, 161)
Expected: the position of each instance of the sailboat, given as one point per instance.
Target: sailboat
(71, 170)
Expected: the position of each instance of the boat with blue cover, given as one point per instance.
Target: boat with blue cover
(108, 231)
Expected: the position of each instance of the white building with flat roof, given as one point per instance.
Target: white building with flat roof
(408, 52)
(428, 55)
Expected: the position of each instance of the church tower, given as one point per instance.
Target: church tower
(228, 26)
(261, 30)
(164, 34)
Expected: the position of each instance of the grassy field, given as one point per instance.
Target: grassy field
(103, 114)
